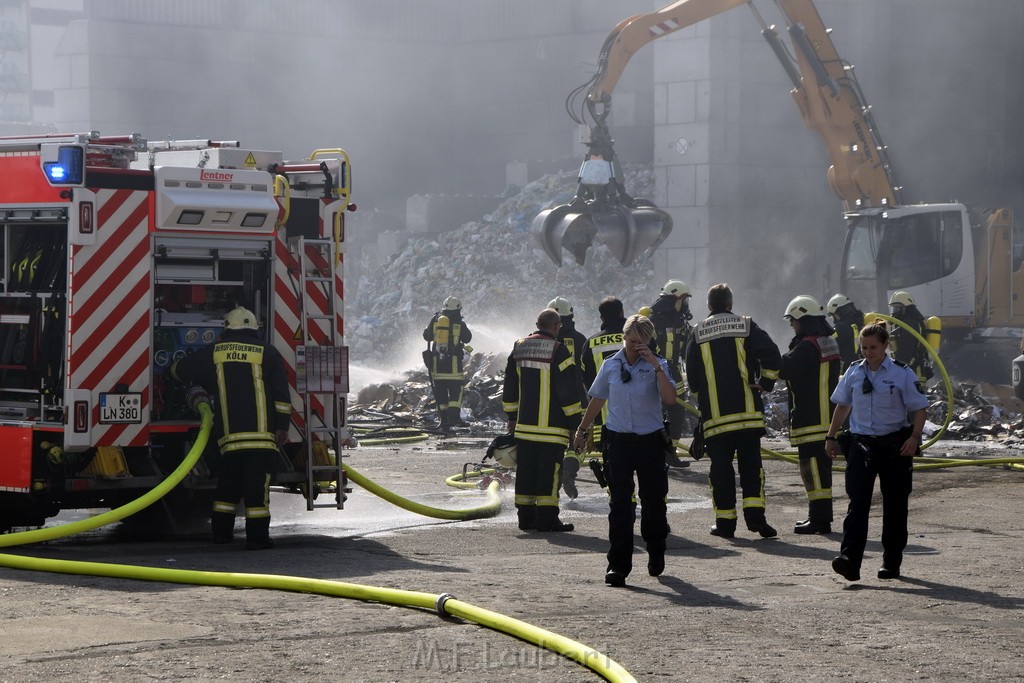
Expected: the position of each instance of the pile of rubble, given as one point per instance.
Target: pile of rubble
(980, 411)
(411, 403)
(498, 271)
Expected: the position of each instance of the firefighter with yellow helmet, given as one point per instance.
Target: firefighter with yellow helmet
(811, 371)
(247, 379)
(447, 336)
(906, 348)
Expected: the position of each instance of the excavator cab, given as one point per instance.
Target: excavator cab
(601, 208)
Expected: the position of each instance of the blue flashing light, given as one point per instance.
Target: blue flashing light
(69, 169)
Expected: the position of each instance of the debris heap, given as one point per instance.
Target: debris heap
(498, 271)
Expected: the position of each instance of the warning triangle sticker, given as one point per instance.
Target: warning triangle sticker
(298, 333)
(250, 160)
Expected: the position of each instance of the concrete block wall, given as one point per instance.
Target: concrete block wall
(438, 213)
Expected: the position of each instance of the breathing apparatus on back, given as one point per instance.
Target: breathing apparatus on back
(442, 334)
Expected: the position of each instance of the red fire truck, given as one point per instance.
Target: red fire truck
(120, 256)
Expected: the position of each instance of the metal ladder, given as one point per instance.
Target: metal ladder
(320, 352)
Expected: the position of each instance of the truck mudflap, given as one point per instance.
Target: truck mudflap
(16, 463)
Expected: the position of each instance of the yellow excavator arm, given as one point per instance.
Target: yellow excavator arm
(831, 103)
(633, 33)
(824, 88)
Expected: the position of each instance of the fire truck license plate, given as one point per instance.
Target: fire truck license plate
(120, 409)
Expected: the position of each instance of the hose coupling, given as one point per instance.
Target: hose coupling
(195, 396)
(440, 602)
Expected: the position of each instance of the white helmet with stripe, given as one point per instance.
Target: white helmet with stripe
(802, 305)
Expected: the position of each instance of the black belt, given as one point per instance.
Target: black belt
(629, 437)
(871, 438)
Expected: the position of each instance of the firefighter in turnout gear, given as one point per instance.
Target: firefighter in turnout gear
(447, 337)
(541, 400)
(729, 362)
(602, 345)
(811, 372)
(576, 343)
(906, 348)
(847, 319)
(247, 381)
(671, 317)
(573, 339)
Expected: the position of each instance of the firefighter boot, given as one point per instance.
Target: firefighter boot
(527, 517)
(223, 525)
(757, 523)
(547, 520)
(257, 534)
(455, 418)
(819, 519)
(724, 528)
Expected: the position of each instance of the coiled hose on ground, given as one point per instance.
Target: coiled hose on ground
(445, 605)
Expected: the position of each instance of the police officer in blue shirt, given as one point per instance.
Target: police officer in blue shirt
(635, 383)
(877, 393)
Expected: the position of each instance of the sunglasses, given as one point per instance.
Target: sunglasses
(868, 387)
(624, 374)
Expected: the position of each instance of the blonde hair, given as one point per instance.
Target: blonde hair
(640, 326)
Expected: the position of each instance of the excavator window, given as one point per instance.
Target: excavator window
(924, 247)
(863, 249)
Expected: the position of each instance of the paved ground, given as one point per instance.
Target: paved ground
(745, 609)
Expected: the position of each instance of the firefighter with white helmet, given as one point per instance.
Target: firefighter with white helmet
(576, 343)
(847, 319)
(811, 371)
(247, 379)
(905, 347)
(447, 337)
(573, 339)
(671, 317)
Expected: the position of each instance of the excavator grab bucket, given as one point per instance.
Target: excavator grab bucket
(564, 227)
(628, 232)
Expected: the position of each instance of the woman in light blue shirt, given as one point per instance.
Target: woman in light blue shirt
(878, 394)
(635, 384)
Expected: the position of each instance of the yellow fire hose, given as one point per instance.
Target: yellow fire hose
(488, 509)
(444, 604)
